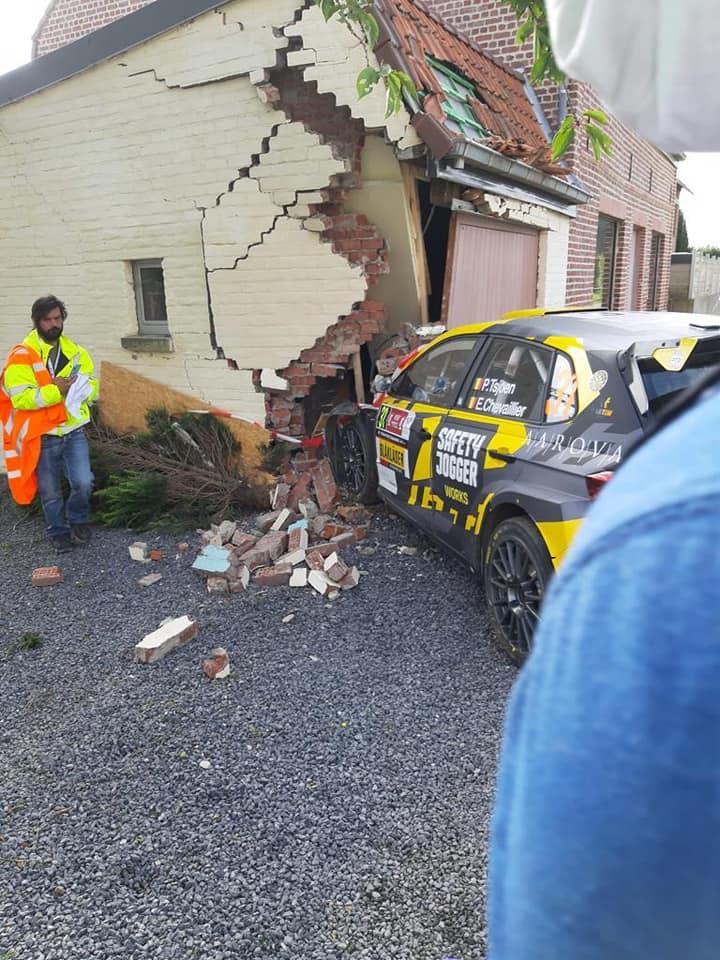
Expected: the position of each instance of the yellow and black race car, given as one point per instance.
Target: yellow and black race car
(494, 438)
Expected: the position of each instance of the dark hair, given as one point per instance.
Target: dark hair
(42, 307)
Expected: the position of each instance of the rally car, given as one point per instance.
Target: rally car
(495, 438)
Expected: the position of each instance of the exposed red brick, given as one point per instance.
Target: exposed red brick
(277, 576)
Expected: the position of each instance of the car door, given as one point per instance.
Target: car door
(478, 438)
(420, 397)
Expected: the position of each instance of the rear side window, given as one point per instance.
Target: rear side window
(511, 380)
(664, 386)
(438, 374)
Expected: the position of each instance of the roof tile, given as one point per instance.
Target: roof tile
(502, 106)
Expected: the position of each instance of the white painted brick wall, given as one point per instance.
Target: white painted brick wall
(283, 297)
(113, 166)
(335, 58)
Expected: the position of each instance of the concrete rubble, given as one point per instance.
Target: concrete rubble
(297, 543)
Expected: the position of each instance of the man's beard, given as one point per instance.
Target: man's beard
(50, 337)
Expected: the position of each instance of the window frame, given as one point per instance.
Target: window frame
(148, 328)
(612, 281)
(458, 91)
(492, 339)
(452, 400)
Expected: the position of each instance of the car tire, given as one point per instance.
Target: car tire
(516, 574)
(352, 457)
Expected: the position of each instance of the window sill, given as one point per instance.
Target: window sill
(146, 343)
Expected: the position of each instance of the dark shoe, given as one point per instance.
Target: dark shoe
(63, 543)
(81, 533)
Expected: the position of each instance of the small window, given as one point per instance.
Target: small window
(436, 376)
(630, 167)
(456, 106)
(650, 180)
(510, 381)
(150, 298)
(561, 403)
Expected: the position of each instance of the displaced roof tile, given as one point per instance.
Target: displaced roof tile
(416, 33)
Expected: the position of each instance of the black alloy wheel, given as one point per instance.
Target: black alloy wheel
(516, 575)
(353, 458)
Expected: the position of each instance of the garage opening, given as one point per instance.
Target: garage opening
(436, 231)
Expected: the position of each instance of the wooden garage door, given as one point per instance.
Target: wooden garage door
(492, 268)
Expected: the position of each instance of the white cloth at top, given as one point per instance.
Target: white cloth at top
(653, 62)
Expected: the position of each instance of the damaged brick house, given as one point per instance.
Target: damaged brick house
(223, 215)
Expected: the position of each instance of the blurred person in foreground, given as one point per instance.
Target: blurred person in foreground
(606, 832)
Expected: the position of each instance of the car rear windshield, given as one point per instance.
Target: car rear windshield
(663, 386)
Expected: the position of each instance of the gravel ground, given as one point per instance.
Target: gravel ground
(329, 799)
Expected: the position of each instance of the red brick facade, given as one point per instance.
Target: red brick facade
(636, 187)
(68, 20)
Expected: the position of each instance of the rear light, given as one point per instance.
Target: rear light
(596, 481)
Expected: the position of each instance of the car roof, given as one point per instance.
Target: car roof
(601, 329)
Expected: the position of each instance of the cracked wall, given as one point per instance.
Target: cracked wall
(180, 150)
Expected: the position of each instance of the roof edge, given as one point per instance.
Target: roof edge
(477, 155)
(106, 42)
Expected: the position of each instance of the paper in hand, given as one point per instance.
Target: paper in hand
(77, 394)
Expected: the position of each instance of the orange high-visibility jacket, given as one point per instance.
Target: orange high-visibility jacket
(23, 430)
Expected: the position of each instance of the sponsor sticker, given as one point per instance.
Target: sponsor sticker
(394, 421)
(392, 455)
(387, 478)
(598, 381)
(457, 455)
(584, 448)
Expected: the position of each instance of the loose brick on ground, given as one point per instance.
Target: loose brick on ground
(326, 492)
(139, 551)
(218, 585)
(156, 645)
(277, 576)
(335, 568)
(242, 542)
(46, 576)
(266, 520)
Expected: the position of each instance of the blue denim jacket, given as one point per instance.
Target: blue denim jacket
(606, 833)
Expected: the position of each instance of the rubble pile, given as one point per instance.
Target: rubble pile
(298, 543)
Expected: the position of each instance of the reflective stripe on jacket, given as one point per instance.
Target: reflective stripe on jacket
(78, 359)
(23, 429)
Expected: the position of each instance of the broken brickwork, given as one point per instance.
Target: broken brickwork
(351, 235)
(326, 358)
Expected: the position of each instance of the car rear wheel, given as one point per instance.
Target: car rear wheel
(516, 574)
(352, 456)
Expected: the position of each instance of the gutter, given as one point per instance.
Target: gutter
(475, 154)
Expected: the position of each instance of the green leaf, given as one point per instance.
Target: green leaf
(370, 28)
(366, 81)
(524, 31)
(597, 115)
(539, 67)
(408, 85)
(563, 138)
(600, 142)
(328, 8)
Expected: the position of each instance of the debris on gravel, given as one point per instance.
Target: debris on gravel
(328, 798)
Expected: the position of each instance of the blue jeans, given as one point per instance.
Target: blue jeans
(66, 456)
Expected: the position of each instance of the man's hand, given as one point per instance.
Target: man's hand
(63, 384)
